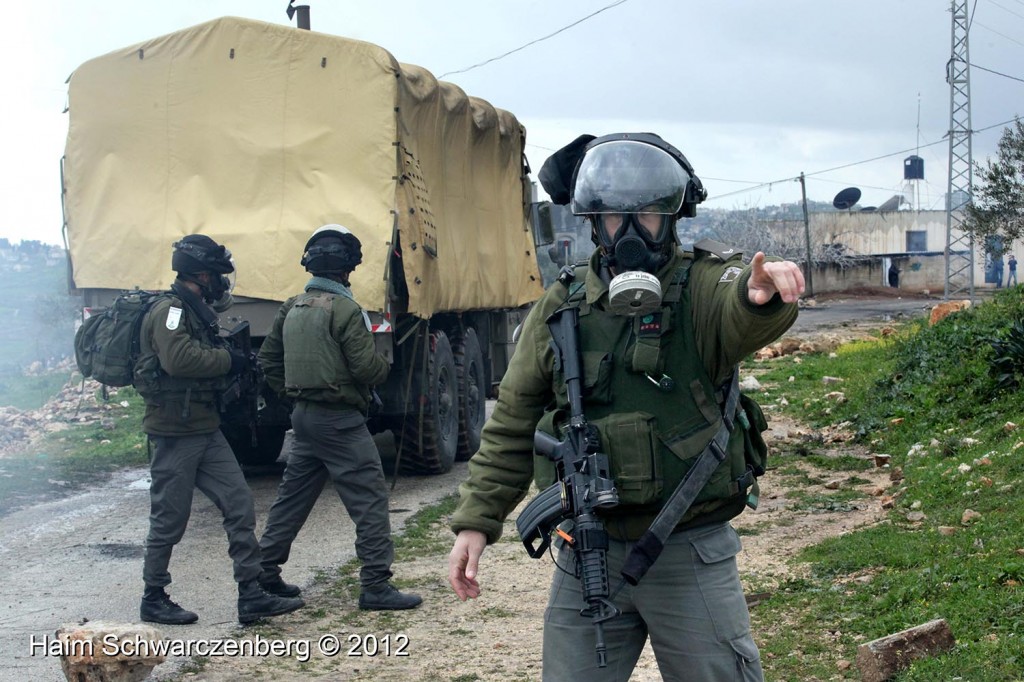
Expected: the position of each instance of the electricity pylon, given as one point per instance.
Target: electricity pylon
(959, 243)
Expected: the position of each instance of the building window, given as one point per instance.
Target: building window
(917, 240)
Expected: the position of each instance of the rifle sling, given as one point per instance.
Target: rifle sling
(647, 549)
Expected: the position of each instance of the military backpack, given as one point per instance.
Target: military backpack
(107, 343)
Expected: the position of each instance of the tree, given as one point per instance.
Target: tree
(998, 207)
(750, 230)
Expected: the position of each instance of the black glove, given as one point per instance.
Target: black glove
(239, 361)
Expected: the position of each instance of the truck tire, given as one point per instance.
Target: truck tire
(472, 382)
(439, 427)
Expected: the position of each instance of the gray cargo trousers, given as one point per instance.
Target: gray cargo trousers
(181, 464)
(335, 444)
(690, 604)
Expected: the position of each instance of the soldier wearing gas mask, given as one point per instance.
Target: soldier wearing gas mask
(661, 332)
(182, 365)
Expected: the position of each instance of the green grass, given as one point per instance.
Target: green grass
(930, 391)
(65, 460)
(418, 537)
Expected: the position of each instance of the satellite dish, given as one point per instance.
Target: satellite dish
(868, 209)
(846, 198)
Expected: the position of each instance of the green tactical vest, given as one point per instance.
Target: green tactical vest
(651, 447)
(156, 386)
(312, 361)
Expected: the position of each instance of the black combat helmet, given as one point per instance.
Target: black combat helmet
(197, 253)
(332, 250)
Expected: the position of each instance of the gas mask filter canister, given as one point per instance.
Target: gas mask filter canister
(634, 293)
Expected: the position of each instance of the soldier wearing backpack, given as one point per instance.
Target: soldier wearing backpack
(181, 367)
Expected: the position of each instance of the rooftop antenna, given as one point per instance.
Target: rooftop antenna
(917, 152)
(917, 149)
(913, 166)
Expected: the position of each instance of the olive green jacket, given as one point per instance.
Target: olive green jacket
(181, 366)
(727, 328)
(363, 366)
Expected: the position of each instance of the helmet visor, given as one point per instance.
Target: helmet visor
(626, 176)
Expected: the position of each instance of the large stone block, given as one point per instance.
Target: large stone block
(943, 310)
(881, 659)
(108, 652)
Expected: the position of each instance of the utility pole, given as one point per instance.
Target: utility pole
(807, 237)
(959, 243)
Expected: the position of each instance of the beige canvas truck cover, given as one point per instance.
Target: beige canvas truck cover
(256, 134)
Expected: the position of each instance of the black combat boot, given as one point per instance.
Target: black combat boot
(157, 607)
(386, 597)
(254, 603)
(278, 587)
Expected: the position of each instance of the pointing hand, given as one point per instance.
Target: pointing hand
(776, 277)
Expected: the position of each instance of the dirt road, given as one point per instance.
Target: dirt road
(866, 309)
(80, 557)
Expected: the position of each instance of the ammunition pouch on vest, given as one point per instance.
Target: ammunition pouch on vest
(672, 419)
(154, 384)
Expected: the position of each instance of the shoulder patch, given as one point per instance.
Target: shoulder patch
(173, 318)
(710, 246)
(730, 274)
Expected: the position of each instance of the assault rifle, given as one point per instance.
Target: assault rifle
(584, 485)
(244, 386)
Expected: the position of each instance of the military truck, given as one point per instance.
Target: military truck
(256, 134)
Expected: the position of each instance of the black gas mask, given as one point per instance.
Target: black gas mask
(218, 293)
(635, 241)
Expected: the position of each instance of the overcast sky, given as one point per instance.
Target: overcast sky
(753, 92)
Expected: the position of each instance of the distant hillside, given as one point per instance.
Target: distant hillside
(37, 316)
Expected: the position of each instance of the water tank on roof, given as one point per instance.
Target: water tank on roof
(913, 168)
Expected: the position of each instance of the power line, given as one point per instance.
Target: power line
(1004, 75)
(849, 165)
(740, 182)
(534, 42)
(1001, 35)
(1006, 9)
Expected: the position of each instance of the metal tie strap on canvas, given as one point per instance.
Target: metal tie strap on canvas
(648, 548)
